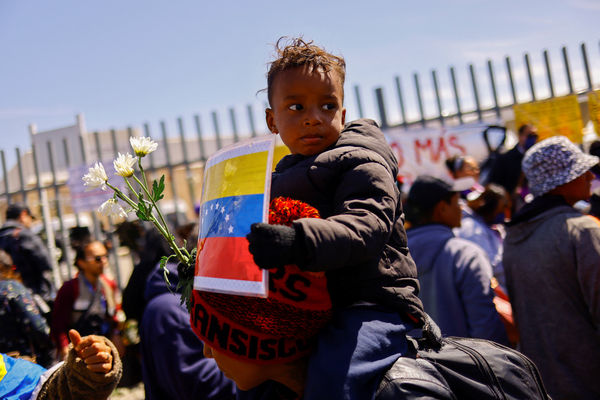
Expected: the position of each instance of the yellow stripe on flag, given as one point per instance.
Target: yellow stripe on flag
(2, 367)
(237, 176)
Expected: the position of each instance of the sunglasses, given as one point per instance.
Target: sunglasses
(98, 258)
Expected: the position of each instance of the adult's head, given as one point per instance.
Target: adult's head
(256, 339)
(435, 201)
(461, 166)
(20, 212)
(91, 259)
(527, 136)
(557, 166)
(491, 204)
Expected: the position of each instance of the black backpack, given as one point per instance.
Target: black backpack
(460, 368)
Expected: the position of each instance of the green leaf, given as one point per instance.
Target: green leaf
(143, 212)
(158, 188)
(163, 263)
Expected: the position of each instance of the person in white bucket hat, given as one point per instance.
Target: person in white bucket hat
(552, 265)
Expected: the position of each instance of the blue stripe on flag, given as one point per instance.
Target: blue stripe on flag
(230, 216)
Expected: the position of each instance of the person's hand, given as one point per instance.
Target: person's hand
(273, 246)
(92, 349)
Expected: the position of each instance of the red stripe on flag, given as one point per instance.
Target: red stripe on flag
(226, 258)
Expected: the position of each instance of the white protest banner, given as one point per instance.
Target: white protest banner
(83, 200)
(424, 151)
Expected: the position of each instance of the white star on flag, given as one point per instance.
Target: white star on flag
(226, 217)
(222, 210)
(230, 229)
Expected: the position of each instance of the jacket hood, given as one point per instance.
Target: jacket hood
(366, 133)
(156, 285)
(425, 243)
(532, 215)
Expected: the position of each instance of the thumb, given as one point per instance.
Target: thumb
(75, 337)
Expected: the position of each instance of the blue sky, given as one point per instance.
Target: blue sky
(129, 62)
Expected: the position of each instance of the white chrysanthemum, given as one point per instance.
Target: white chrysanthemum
(96, 177)
(124, 165)
(111, 208)
(142, 145)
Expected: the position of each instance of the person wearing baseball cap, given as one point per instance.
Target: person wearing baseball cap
(455, 274)
(552, 265)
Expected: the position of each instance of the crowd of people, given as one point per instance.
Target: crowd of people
(356, 266)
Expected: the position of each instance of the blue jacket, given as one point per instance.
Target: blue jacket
(173, 363)
(455, 277)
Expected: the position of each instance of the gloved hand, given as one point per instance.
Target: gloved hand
(274, 245)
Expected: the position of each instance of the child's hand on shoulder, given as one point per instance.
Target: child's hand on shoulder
(92, 349)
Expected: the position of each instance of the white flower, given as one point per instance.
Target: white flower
(96, 177)
(124, 165)
(112, 208)
(142, 145)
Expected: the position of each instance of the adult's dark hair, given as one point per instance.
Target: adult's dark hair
(455, 163)
(80, 250)
(420, 214)
(14, 210)
(298, 53)
(491, 197)
(523, 127)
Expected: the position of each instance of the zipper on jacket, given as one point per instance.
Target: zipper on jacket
(483, 366)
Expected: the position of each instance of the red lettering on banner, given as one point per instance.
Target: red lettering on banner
(454, 142)
(420, 146)
(397, 148)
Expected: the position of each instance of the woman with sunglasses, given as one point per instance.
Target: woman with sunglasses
(88, 302)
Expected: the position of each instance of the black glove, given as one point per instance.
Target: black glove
(274, 245)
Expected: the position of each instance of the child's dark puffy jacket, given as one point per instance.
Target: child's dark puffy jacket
(360, 241)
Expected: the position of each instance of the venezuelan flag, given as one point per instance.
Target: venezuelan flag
(235, 195)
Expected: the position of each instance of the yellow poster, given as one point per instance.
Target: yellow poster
(557, 116)
(594, 107)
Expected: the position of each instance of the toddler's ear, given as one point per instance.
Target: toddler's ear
(270, 118)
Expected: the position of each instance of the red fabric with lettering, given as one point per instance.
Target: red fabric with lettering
(276, 329)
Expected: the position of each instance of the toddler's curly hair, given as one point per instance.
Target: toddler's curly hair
(297, 53)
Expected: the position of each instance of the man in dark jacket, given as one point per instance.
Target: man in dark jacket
(552, 264)
(173, 365)
(28, 252)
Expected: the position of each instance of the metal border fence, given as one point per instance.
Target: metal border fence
(50, 197)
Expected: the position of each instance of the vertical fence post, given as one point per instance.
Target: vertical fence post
(511, 80)
(68, 165)
(530, 76)
(200, 139)
(6, 193)
(46, 217)
(236, 137)
(419, 99)
(188, 173)
(215, 120)
(251, 120)
(64, 239)
(548, 73)
(163, 128)
(111, 228)
(456, 95)
(567, 69)
(438, 99)
(358, 101)
(96, 226)
(493, 85)
(381, 107)
(475, 92)
(21, 180)
(586, 67)
(401, 102)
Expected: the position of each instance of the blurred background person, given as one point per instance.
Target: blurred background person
(28, 252)
(23, 330)
(455, 274)
(552, 264)
(90, 302)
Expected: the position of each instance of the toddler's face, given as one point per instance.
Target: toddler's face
(307, 109)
